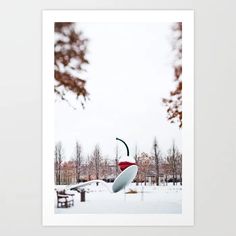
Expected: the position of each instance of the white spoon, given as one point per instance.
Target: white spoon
(121, 181)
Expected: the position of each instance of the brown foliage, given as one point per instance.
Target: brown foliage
(69, 58)
(174, 102)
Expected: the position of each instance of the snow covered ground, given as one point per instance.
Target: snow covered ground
(147, 200)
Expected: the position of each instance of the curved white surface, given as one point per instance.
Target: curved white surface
(124, 178)
(81, 185)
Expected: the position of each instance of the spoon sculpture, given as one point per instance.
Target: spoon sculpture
(129, 171)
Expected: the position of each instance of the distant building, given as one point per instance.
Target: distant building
(68, 173)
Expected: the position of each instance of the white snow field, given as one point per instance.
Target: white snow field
(151, 200)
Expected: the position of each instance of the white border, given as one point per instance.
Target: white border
(118, 16)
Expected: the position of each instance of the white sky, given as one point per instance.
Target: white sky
(130, 71)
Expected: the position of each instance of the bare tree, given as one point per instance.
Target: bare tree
(70, 49)
(179, 166)
(144, 164)
(78, 161)
(172, 160)
(137, 160)
(165, 170)
(97, 160)
(157, 156)
(59, 156)
(174, 102)
(105, 169)
(116, 161)
(89, 167)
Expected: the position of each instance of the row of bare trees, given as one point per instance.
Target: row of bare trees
(79, 168)
(154, 167)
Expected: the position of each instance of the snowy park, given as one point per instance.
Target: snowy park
(134, 199)
(122, 129)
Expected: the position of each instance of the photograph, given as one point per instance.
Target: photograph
(117, 118)
(120, 126)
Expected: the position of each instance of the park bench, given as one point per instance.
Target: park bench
(64, 199)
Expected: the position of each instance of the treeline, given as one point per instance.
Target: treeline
(154, 168)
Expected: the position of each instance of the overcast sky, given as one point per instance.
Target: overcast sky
(130, 71)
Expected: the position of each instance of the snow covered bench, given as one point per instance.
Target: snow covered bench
(64, 199)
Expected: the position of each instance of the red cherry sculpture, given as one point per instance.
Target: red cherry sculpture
(125, 164)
